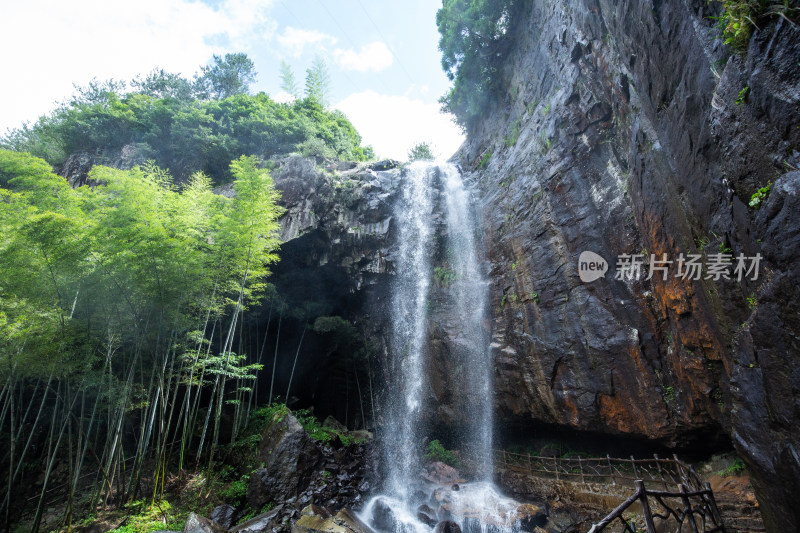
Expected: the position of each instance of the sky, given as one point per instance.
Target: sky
(382, 55)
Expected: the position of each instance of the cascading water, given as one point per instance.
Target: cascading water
(470, 288)
(415, 233)
(475, 506)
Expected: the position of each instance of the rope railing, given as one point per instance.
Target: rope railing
(666, 472)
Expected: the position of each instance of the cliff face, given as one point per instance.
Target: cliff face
(628, 128)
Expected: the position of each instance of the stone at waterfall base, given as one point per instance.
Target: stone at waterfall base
(441, 474)
(315, 519)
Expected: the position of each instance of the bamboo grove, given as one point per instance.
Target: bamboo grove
(119, 307)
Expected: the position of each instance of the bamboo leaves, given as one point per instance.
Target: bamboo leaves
(120, 296)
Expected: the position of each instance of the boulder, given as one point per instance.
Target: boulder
(200, 524)
(440, 473)
(262, 522)
(426, 515)
(362, 435)
(383, 517)
(529, 516)
(223, 515)
(331, 422)
(315, 519)
(386, 164)
(447, 526)
(290, 457)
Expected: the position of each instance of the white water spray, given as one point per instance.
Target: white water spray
(474, 506)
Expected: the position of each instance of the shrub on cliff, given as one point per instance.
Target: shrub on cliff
(187, 127)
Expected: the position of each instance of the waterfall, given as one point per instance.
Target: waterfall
(470, 287)
(415, 233)
(434, 210)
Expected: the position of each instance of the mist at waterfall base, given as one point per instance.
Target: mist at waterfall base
(435, 202)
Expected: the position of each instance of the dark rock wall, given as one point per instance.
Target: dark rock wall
(621, 133)
(335, 260)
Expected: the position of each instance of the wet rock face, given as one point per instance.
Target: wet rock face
(290, 457)
(625, 130)
(299, 471)
(335, 260)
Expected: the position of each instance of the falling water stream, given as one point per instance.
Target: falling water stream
(435, 201)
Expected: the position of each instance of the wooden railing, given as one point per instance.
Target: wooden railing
(693, 511)
(664, 472)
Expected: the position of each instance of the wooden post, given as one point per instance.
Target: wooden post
(530, 464)
(633, 464)
(713, 504)
(556, 461)
(688, 512)
(660, 472)
(648, 514)
(681, 473)
(611, 470)
(580, 467)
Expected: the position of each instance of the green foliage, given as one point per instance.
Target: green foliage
(318, 81)
(145, 518)
(735, 468)
(236, 491)
(752, 302)
(742, 96)
(319, 432)
(225, 77)
(513, 134)
(546, 144)
(164, 120)
(341, 333)
(740, 17)
(421, 152)
(760, 195)
(259, 419)
(437, 452)
(534, 296)
(669, 394)
(91, 270)
(444, 276)
(485, 160)
(288, 82)
(161, 84)
(474, 41)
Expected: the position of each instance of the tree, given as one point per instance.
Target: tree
(226, 76)
(474, 40)
(318, 81)
(162, 84)
(96, 92)
(421, 152)
(109, 303)
(288, 82)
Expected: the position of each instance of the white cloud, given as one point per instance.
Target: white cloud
(296, 40)
(49, 44)
(374, 57)
(393, 124)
